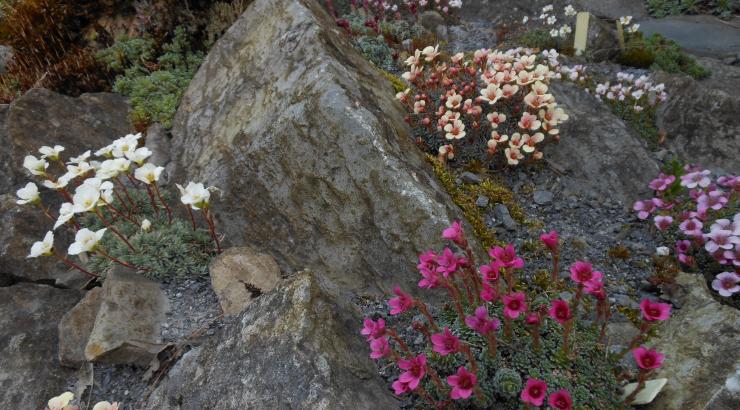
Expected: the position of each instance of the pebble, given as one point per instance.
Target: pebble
(542, 197)
(482, 201)
(503, 216)
(470, 178)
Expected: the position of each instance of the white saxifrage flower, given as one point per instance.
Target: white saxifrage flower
(195, 195)
(148, 173)
(124, 145)
(34, 165)
(51, 153)
(66, 212)
(42, 248)
(80, 158)
(61, 401)
(85, 241)
(28, 194)
(139, 155)
(146, 225)
(86, 198)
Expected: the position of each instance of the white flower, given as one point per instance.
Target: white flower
(42, 248)
(195, 195)
(456, 4)
(59, 183)
(124, 145)
(66, 212)
(525, 19)
(51, 153)
(81, 158)
(105, 151)
(146, 225)
(85, 241)
(551, 20)
(81, 168)
(86, 198)
(139, 155)
(570, 11)
(430, 53)
(28, 194)
(61, 401)
(633, 28)
(554, 33)
(35, 166)
(662, 251)
(110, 168)
(104, 405)
(625, 20)
(148, 173)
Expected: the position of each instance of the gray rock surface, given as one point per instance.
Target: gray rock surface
(701, 34)
(503, 217)
(306, 138)
(240, 275)
(127, 326)
(701, 117)
(296, 347)
(29, 367)
(43, 117)
(6, 53)
(598, 151)
(613, 9)
(700, 342)
(75, 328)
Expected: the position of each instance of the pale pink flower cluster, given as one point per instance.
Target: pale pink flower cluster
(62, 402)
(639, 93)
(558, 25)
(499, 97)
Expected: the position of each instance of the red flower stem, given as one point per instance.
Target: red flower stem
(152, 200)
(492, 344)
(640, 386)
(118, 261)
(114, 230)
(424, 311)
(555, 271)
(535, 332)
(566, 341)
(456, 298)
(46, 212)
(119, 213)
(394, 335)
(65, 194)
(123, 203)
(76, 266)
(211, 228)
(467, 290)
(192, 218)
(125, 191)
(507, 328)
(469, 353)
(167, 207)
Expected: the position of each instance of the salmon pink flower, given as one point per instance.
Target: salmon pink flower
(726, 283)
(445, 343)
(480, 322)
(647, 359)
(373, 329)
(529, 142)
(653, 311)
(513, 155)
(463, 382)
(455, 130)
(415, 369)
(454, 101)
(534, 392)
(560, 400)
(491, 94)
(506, 256)
(550, 240)
(402, 303)
(379, 348)
(514, 305)
(529, 122)
(560, 311)
(105, 405)
(663, 222)
(496, 119)
(455, 234)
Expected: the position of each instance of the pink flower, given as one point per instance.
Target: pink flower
(449, 263)
(463, 382)
(455, 234)
(480, 322)
(491, 271)
(595, 287)
(697, 178)
(652, 311)
(663, 222)
(683, 246)
(560, 400)
(691, 227)
(550, 240)
(379, 348)
(415, 369)
(560, 311)
(402, 303)
(400, 387)
(430, 279)
(427, 260)
(534, 392)
(662, 182)
(582, 272)
(445, 343)
(488, 293)
(720, 239)
(644, 208)
(715, 200)
(507, 256)
(373, 330)
(533, 319)
(514, 305)
(726, 283)
(647, 359)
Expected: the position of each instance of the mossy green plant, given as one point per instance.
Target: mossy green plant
(660, 53)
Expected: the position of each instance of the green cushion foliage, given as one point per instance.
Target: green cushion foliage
(659, 53)
(663, 8)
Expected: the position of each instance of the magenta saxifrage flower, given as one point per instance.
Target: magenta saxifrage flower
(445, 343)
(480, 322)
(720, 239)
(550, 240)
(463, 382)
(646, 207)
(582, 272)
(662, 182)
(696, 178)
(663, 222)
(560, 311)
(401, 303)
(691, 227)
(373, 329)
(491, 272)
(726, 283)
(379, 348)
(714, 200)
(534, 392)
(654, 311)
(514, 305)
(415, 369)
(455, 234)
(430, 279)
(449, 263)
(488, 293)
(647, 359)
(507, 256)
(560, 400)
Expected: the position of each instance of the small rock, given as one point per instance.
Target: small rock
(482, 201)
(620, 333)
(503, 216)
(240, 275)
(75, 328)
(542, 197)
(434, 22)
(127, 327)
(470, 178)
(647, 394)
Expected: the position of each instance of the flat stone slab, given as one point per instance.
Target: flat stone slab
(702, 34)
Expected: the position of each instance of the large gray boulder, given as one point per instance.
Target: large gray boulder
(307, 143)
(296, 347)
(701, 117)
(598, 151)
(29, 368)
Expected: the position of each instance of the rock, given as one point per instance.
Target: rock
(160, 144)
(648, 392)
(240, 275)
(617, 167)
(29, 369)
(482, 201)
(127, 327)
(42, 117)
(6, 53)
(542, 197)
(698, 34)
(620, 333)
(700, 344)
(307, 139)
(435, 23)
(299, 335)
(470, 178)
(75, 328)
(700, 117)
(602, 43)
(502, 215)
(613, 9)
